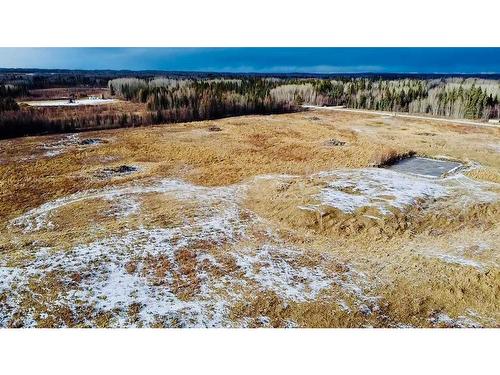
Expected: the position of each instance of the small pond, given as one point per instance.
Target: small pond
(424, 166)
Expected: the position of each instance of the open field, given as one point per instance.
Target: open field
(254, 221)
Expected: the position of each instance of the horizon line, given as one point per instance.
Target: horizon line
(246, 72)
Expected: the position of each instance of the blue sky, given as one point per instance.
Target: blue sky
(260, 60)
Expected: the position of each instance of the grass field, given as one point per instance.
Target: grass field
(273, 221)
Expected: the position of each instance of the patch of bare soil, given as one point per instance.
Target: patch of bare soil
(121, 170)
(334, 142)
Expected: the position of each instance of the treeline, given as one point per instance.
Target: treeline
(452, 97)
(37, 121)
(471, 99)
(169, 99)
(32, 81)
(202, 99)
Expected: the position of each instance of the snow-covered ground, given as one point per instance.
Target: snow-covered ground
(383, 189)
(66, 103)
(270, 264)
(244, 256)
(56, 148)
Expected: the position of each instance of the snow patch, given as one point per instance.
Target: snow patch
(383, 189)
(460, 322)
(454, 259)
(37, 218)
(349, 190)
(58, 147)
(271, 269)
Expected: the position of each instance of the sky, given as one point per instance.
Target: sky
(260, 60)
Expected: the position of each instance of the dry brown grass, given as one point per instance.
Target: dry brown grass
(413, 287)
(485, 174)
(416, 293)
(246, 147)
(283, 202)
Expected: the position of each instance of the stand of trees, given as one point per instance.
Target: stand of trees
(453, 97)
(8, 104)
(456, 98)
(12, 91)
(203, 99)
(7, 95)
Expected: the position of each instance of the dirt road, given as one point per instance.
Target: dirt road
(398, 114)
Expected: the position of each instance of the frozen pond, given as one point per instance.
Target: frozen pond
(424, 166)
(66, 103)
